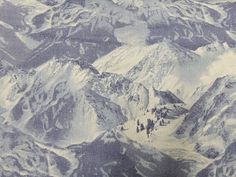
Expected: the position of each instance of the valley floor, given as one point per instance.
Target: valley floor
(163, 140)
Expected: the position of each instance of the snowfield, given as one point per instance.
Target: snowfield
(117, 88)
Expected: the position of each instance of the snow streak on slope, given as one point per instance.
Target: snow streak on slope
(211, 120)
(167, 66)
(162, 66)
(222, 167)
(57, 102)
(122, 59)
(90, 29)
(22, 156)
(148, 56)
(47, 31)
(113, 154)
(165, 69)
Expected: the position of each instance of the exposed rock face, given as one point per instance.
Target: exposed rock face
(22, 156)
(212, 117)
(56, 105)
(88, 29)
(222, 167)
(111, 154)
(74, 73)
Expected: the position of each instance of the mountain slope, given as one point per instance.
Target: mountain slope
(210, 121)
(89, 29)
(65, 30)
(111, 154)
(225, 166)
(164, 69)
(22, 156)
(56, 101)
(122, 59)
(85, 75)
(162, 66)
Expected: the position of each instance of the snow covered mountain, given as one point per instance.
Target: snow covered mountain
(22, 156)
(110, 154)
(78, 78)
(161, 66)
(210, 121)
(56, 27)
(56, 100)
(53, 32)
(61, 98)
(165, 69)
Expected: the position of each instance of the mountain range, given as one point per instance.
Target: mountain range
(78, 77)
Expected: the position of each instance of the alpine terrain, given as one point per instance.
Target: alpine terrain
(118, 88)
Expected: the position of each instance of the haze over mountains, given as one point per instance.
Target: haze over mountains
(77, 75)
